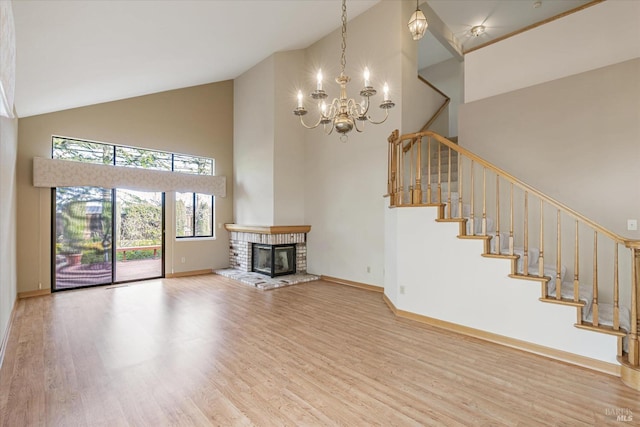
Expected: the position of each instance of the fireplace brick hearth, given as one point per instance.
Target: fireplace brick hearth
(242, 237)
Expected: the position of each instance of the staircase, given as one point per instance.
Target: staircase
(576, 262)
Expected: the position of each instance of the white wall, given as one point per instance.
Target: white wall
(289, 146)
(253, 145)
(446, 278)
(345, 182)
(8, 156)
(419, 101)
(8, 219)
(268, 146)
(600, 35)
(315, 179)
(448, 76)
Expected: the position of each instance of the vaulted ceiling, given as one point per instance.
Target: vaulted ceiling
(72, 53)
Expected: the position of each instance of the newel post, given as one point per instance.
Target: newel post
(634, 346)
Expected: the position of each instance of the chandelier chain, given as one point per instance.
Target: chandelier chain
(343, 59)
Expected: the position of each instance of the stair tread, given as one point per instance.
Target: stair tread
(585, 296)
(451, 220)
(474, 237)
(530, 277)
(585, 293)
(605, 316)
(500, 256)
(563, 301)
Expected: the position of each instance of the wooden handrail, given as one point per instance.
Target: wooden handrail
(526, 187)
(444, 105)
(436, 115)
(425, 81)
(597, 319)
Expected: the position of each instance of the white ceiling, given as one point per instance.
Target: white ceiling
(72, 53)
(499, 17)
(83, 52)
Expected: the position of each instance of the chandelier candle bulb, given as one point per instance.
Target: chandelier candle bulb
(342, 114)
(299, 99)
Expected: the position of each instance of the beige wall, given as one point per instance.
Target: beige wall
(575, 139)
(196, 120)
(8, 219)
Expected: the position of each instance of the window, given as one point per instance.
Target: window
(194, 215)
(193, 165)
(145, 159)
(194, 211)
(109, 154)
(82, 151)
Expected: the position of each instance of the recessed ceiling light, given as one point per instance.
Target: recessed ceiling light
(477, 30)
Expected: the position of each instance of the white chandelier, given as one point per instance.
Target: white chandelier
(343, 114)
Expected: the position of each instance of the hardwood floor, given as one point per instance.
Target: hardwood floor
(205, 350)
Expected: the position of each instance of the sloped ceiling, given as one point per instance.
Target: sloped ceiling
(499, 17)
(72, 53)
(83, 52)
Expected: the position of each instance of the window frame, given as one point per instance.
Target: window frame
(117, 148)
(204, 166)
(194, 199)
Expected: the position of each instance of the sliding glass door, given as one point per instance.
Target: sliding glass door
(85, 252)
(139, 243)
(83, 225)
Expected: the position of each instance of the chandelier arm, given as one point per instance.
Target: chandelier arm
(353, 107)
(386, 116)
(355, 125)
(312, 126)
(330, 130)
(332, 111)
(344, 113)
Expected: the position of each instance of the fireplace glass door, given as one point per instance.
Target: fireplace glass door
(274, 260)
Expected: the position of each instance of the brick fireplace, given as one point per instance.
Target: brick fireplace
(242, 238)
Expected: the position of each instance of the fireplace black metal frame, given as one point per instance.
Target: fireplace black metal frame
(273, 248)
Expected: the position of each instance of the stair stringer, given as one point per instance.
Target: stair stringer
(447, 279)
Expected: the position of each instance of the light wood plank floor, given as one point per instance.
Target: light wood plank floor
(205, 350)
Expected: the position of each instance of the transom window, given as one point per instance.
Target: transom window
(194, 211)
(119, 155)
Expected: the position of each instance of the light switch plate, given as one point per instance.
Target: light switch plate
(632, 224)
